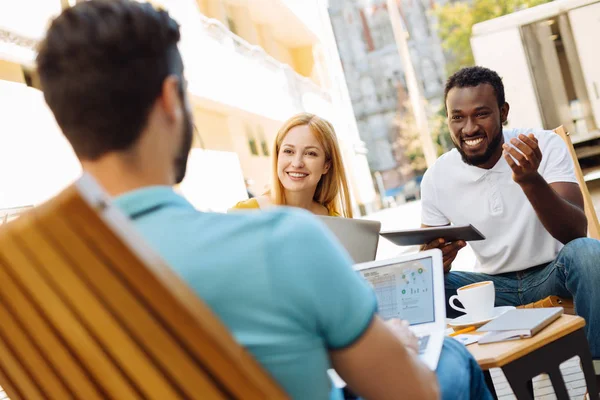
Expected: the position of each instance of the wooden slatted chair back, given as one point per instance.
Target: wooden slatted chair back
(89, 311)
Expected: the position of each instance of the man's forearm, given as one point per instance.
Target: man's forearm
(562, 219)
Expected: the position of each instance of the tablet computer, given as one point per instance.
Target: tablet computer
(419, 236)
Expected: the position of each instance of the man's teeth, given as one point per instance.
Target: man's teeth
(473, 142)
(297, 175)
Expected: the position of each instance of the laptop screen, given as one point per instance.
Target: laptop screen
(404, 290)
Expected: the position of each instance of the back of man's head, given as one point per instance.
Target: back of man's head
(475, 76)
(102, 67)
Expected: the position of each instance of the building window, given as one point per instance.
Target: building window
(251, 141)
(263, 142)
(229, 10)
(377, 28)
(366, 33)
(265, 147)
(231, 24)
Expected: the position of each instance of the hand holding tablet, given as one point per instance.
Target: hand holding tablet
(420, 236)
(449, 239)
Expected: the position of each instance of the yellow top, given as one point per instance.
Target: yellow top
(250, 203)
(253, 203)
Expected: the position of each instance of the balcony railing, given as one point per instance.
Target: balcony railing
(17, 48)
(217, 63)
(300, 85)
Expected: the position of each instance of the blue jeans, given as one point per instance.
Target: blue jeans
(575, 273)
(458, 374)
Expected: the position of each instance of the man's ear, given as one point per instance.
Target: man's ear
(504, 112)
(170, 99)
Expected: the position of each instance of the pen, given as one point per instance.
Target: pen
(465, 330)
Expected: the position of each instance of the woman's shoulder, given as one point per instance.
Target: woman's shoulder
(324, 210)
(333, 213)
(263, 202)
(245, 204)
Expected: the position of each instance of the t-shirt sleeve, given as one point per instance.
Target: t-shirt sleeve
(559, 164)
(316, 280)
(430, 212)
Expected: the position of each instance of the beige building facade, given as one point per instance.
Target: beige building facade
(250, 65)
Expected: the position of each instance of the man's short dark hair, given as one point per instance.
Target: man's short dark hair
(475, 76)
(102, 66)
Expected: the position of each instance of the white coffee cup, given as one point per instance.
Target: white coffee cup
(477, 298)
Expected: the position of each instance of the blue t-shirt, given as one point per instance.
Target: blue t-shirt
(278, 280)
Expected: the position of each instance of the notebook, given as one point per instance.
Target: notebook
(519, 324)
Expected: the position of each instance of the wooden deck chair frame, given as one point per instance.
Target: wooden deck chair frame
(592, 218)
(88, 311)
(590, 212)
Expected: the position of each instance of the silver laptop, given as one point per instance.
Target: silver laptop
(411, 288)
(359, 237)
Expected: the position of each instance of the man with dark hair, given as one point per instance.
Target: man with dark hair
(518, 187)
(114, 91)
(472, 77)
(113, 77)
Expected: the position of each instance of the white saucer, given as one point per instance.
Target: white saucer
(465, 321)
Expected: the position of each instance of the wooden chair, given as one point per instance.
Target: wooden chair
(590, 213)
(592, 218)
(89, 311)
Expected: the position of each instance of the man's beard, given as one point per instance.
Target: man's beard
(485, 157)
(186, 145)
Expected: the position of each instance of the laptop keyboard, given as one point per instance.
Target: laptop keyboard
(423, 343)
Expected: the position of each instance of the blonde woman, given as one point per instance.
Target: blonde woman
(308, 171)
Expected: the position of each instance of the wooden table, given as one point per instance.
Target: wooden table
(522, 360)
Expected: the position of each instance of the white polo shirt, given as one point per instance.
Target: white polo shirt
(461, 194)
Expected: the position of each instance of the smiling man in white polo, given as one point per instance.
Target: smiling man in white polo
(518, 187)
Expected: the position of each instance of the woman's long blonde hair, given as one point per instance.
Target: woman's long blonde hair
(332, 190)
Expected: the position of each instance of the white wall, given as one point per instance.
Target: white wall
(29, 18)
(36, 161)
(213, 128)
(585, 23)
(214, 180)
(308, 12)
(257, 168)
(504, 53)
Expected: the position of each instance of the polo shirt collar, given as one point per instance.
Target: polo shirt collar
(140, 201)
(476, 173)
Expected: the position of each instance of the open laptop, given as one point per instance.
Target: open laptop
(359, 237)
(411, 287)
